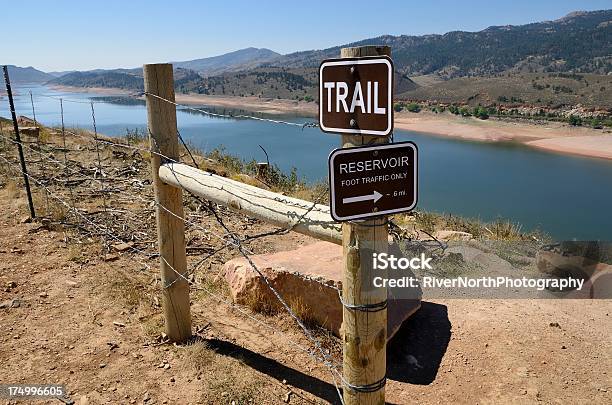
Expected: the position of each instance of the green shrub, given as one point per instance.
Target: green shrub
(413, 107)
(480, 112)
(574, 120)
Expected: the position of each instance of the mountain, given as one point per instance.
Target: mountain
(60, 74)
(113, 79)
(242, 59)
(488, 66)
(579, 42)
(27, 75)
(128, 79)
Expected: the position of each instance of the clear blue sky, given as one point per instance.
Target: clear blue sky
(88, 34)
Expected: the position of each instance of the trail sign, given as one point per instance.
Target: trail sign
(356, 96)
(371, 181)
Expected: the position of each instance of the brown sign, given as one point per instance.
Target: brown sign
(356, 96)
(371, 181)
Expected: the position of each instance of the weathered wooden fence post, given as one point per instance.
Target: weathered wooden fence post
(161, 120)
(364, 332)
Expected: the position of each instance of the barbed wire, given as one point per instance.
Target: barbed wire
(243, 116)
(245, 254)
(285, 199)
(184, 106)
(326, 358)
(229, 242)
(234, 240)
(89, 99)
(66, 152)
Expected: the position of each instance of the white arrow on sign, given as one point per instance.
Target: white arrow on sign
(374, 196)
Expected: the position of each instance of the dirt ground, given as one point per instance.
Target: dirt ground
(74, 315)
(92, 326)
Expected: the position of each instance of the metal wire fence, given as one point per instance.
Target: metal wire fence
(65, 181)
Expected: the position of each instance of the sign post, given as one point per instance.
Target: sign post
(364, 313)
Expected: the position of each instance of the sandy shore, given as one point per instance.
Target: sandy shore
(98, 90)
(553, 136)
(256, 104)
(599, 146)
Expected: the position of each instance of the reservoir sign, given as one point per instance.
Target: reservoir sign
(372, 181)
(356, 96)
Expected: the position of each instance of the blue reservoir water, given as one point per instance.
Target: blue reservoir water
(565, 196)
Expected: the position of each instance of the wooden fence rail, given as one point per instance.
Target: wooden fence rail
(270, 207)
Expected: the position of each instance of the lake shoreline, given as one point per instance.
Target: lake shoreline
(551, 136)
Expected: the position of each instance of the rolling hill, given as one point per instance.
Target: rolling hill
(112, 79)
(234, 61)
(27, 75)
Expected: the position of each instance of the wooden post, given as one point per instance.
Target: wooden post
(161, 120)
(364, 333)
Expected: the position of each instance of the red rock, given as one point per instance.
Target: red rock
(320, 267)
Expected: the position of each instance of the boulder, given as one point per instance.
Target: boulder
(29, 131)
(23, 120)
(453, 235)
(307, 278)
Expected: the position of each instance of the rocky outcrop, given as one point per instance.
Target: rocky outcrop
(453, 235)
(307, 278)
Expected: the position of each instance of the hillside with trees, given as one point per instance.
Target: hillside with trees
(117, 80)
(579, 42)
(551, 90)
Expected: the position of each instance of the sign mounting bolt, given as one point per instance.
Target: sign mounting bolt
(352, 69)
(353, 123)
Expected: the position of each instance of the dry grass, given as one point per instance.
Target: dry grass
(12, 189)
(502, 230)
(198, 356)
(49, 207)
(75, 254)
(153, 326)
(303, 312)
(234, 382)
(127, 289)
(259, 302)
